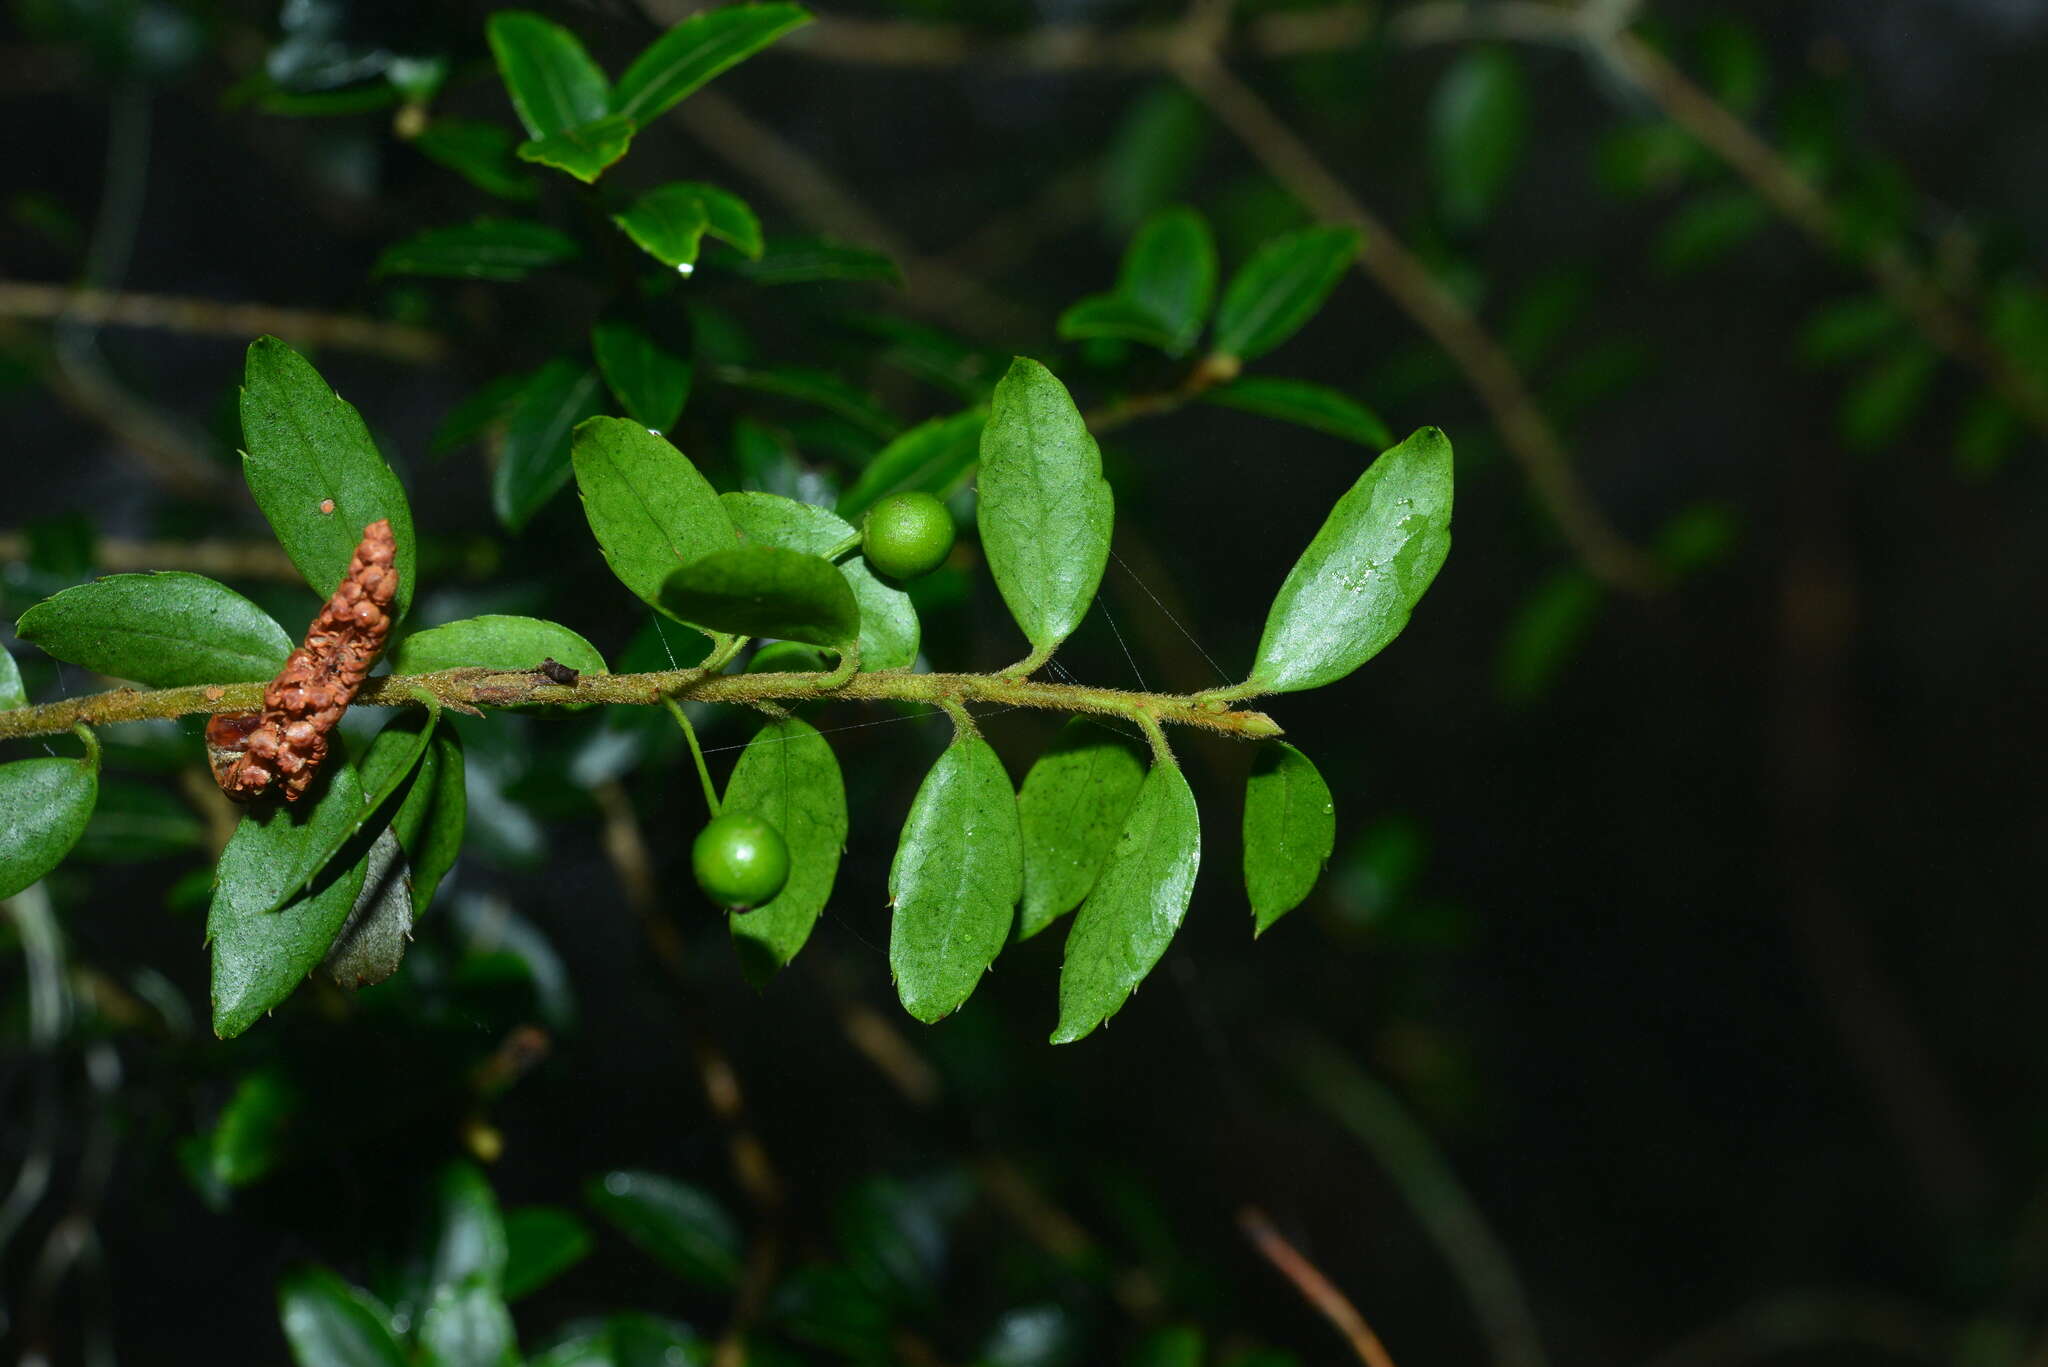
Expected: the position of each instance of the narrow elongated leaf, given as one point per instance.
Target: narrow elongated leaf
(1478, 121)
(932, 457)
(809, 261)
(1354, 587)
(584, 151)
(1136, 906)
(696, 50)
(1153, 153)
(648, 506)
(494, 641)
(1114, 316)
(330, 1324)
(12, 694)
(650, 382)
(553, 83)
(44, 807)
(259, 955)
(788, 775)
(481, 153)
(488, 249)
(1072, 809)
(534, 464)
(1306, 405)
(164, 630)
(1163, 291)
(433, 850)
(686, 1230)
(1290, 827)
(757, 590)
(888, 620)
(1045, 511)
(958, 872)
(542, 1243)
(1281, 288)
(316, 474)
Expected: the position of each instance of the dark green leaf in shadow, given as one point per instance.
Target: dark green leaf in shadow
(1305, 405)
(488, 249)
(542, 1243)
(682, 1227)
(694, 51)
(933, 457)
(534, 464)
(888, 621)
(481, 153)
(552, 81)
(650, 382)
(757, 590)
(1478, 121)
(1281, 288)
(44, 807)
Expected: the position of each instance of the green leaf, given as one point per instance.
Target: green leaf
(811, 261)
(12, 694)
(933, 457)
(437, 831)
(669, 222)
(788, 775)
(1477, 124)
(468, 1326)
(371, 944)
(487, 407)
(330, 1324)
(1164, 290)
(1281, 288)
(1072, 809)
(1178, 1345)
(316, 474)
(958, 872)
(1136, 906)
(650, 382)
(1848, 328)
(1353, 588)
(683, 1228)
(494, 641)
(1708, 227)
(553, 83)
(1113, 316)
(1305, 405)
(1045, 511)
(543, 1242)
(696, 50)
(1883, 401)
(164, 630)
(1153, 154)
(584, 151)
(1290, 827)
(136, 822)
(44, 806)
(761, 590)
(889, 628)
(488, 249)
(249, 1140)
(481, 153)
(260, 955)
(648, 506)
(1546, 632)
(534, 464)
(391, 759)
(470, 1243)
(820, 387)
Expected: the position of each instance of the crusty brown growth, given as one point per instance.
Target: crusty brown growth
(303, 703)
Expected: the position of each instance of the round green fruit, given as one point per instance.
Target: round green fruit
(740, 861)
(907, 535)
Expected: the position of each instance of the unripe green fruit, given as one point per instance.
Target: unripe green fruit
(740, 861)
(907, 535)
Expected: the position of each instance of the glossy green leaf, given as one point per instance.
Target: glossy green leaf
(12, 694)
(694, 51)
(758, 590)
(164, 630)
(316, 474)
(932, 457)
(260, 955)
(648, 506)
(250, 1138)
(1045, 511)
(494, 641)
(728, 218)
(534, 464)
(1281, 288)
(670, 222)
(488, 249)
(811, 261)
(1353, 588)
(682, 1227)
(1136, 906)
(542, 1242)
(553, 83)
(330, 1324)
(888, 621)
(481, 153)
(584, 151)
(955, 881)
(1072, 809)
(44, 807)
(1478, 122)
(788, 775)
(1290, 827)
(1305, 405)
(468, 1326)
(1168, 279)
(650, 382)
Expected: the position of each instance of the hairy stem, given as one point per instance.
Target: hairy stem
(483, 688)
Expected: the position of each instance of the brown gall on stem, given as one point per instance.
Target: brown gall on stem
(288, 739)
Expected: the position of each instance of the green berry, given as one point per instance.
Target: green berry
(740, 861)
(907, 535)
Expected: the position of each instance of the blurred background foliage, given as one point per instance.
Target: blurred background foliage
(1672, 995)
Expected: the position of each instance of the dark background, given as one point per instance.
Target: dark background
(1708, 962)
